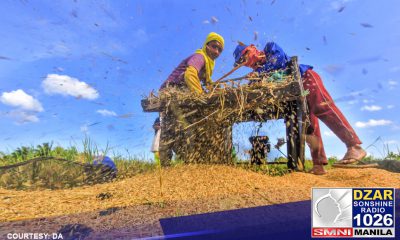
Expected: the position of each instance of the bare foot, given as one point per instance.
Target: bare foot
(354, 154)
(318, 170)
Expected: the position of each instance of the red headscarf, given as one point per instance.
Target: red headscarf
(253, 57)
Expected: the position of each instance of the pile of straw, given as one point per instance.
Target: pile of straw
(227, 102)
(199, 126)
(222, 187)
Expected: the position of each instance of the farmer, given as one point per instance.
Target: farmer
(198, 67)
(156, 141)
(188, 76)
(106, 162)
(103, 169)
(320, 103)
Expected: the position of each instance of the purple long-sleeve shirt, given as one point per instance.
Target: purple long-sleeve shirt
(176, 78)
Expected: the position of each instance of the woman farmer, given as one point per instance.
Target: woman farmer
(320, 103)
(197, 67)
(188, 76)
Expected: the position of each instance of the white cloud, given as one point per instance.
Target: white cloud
(106, 113)
(329, 133)
(21, 100)
(390, 106)
(391, 142)
(373, 123)
(392, 83)
(85, 128)
(368, 101)
(21, 116)
(66, 85)
(395, 69)
(371, 108)
(352, 102)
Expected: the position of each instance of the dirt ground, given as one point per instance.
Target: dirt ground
(132, 207)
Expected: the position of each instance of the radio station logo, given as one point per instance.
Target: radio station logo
(353, 212)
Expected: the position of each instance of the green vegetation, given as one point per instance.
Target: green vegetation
(278, 169)
(67, 168)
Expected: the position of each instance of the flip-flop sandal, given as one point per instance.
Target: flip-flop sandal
(347, 161)
(359, 165)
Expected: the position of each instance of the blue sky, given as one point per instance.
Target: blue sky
(70, 68)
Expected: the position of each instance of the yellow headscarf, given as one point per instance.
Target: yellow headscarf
(209, 63)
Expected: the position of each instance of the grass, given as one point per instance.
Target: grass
(279, 169)
(272, 170)
(53, 174)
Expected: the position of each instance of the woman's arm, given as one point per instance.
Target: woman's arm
(192, 79)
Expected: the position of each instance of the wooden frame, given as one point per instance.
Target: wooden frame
(290, 105)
